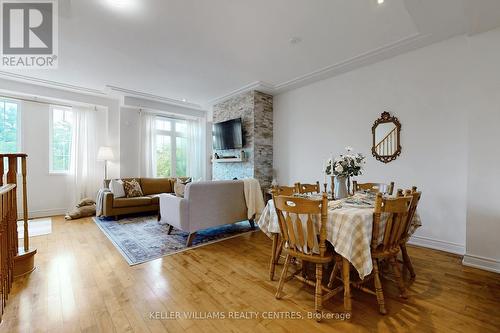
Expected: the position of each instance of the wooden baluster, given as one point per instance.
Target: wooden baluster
(6, 250)
(25, 205)
(2, 252)
(1, 169)
(8, 238)
(12, 179)
(393, 140)
(390, 143)
(12, 262)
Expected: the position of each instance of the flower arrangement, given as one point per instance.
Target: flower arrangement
(347, 165)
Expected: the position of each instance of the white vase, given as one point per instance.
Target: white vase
(341, 191)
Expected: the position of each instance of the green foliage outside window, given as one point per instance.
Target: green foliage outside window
(163, 163)
(181, 157)
(62, 136)
(8, 127)
(168, 151)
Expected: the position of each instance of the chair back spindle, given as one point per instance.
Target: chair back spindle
(373, 187)
(396, 211)
(283, 190)
(413, 209)
(291, 213)
(307, 188)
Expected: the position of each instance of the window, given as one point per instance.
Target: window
(9, 126)
(61, 139)
(170, 140)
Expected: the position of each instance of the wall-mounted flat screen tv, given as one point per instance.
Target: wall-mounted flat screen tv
(228, 134)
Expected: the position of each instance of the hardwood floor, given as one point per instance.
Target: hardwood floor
(82, 283)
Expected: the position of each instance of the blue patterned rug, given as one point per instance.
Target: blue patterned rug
(141, 238)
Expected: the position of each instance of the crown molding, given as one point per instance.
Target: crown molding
(157, 98)
(257, 85)
(52, 84)
(108, 92)
(367, 58)
(378, 54)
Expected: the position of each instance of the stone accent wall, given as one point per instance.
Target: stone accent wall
(256, 112)
(263, 138)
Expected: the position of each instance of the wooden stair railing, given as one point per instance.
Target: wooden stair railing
(14, 261)
(386, 145)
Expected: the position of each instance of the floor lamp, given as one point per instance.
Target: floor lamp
(105, 154)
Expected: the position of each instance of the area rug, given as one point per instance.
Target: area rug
(141, 239)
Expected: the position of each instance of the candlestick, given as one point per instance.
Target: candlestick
(333, 186)
(349, 185)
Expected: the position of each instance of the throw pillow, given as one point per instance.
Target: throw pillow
(132, 188)
(184, 181)
(180, 186)
(116, 187)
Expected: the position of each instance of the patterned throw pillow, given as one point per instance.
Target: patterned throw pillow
(180, 186)
(132, 188)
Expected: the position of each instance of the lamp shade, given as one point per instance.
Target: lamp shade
(105, 154)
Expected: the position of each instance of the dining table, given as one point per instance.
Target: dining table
(349, 230)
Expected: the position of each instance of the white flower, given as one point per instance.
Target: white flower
(348, 148)
(339, 168)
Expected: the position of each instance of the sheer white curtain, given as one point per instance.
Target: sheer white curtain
(146, 156)
(195, 149)
(85, 177)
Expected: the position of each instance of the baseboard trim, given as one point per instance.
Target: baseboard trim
(35, 214)
(488, 264)
(437, 244)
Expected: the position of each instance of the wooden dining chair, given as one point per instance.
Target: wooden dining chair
(307, 188)
(407, 234)
(300, 243)
(277, 246)
(284, 190)
(373, 187)
(396, 211)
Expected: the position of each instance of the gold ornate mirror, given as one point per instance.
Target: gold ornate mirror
(386, 133)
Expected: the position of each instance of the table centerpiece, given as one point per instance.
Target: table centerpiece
(341, 169)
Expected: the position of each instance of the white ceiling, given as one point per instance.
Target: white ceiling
(203, 50)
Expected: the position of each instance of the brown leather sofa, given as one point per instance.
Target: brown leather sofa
(151, 188)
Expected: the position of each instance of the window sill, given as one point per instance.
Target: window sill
(55, 173)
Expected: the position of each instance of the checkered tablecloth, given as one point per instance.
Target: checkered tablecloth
(349, 230)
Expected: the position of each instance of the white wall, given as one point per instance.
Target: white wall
(429, 90)
(35, 125)
(483, 205)
(111, 132)
(35, 142)
(129, 142)
(48, 194)
(118, 127)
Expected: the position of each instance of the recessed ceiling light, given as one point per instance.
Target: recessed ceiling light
(380, 2)
(295, 40)
(122, 4)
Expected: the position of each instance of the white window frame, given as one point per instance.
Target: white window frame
(19, 135)
(173, 134)
(51, 128)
